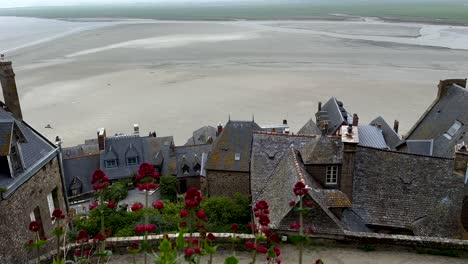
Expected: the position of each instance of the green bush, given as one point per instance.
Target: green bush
(117, 191)
(168, 187)
(224, 211)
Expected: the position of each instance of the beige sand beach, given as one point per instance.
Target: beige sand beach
(173, 77)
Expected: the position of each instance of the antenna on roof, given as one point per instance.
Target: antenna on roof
(229, 117)
(253, 118)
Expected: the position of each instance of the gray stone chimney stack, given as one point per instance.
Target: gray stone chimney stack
(10, 92)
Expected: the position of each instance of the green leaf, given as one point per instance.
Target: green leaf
(58, 261)
(165, 245)
(231, 260)
(180, 241)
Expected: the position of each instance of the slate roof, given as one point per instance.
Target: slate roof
(81, 167)
(236, 138)
(325, 150)
(336, 115)
(191, 156)
(267, 151)
(277, 191)
(6, 130)
(391, 137)
(309, 128)
(157, 150)
(439, 118)
(395, 189)
(118, 148)
(35, 150)
(371, 136)
(80, 150)
(202, 135)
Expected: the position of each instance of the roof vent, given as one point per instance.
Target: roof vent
(136, 129)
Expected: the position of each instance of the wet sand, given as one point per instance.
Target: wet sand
(173, 77)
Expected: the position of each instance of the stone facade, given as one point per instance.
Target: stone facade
(227, 183)
(319, 172)
(15, 213)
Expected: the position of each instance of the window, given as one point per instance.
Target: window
(185, 169)
(111, 163)
(36, 216)
(132, 161)
(15, 159)
(52, 200)
(237, 156)
(332, 175)
(453, 130)
(197, 168)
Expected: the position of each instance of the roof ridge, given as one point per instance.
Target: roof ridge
(405, 153)
(284, 134)
(82, 156)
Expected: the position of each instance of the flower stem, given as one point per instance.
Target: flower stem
(146, 223)
(301, 231)
(102, 243)
(37, 247)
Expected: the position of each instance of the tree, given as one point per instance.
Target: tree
(116, 192)
(168, 187)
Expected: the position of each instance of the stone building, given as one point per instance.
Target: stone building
(357, 188)
(228, 165)
(190, 166)
(31, 177)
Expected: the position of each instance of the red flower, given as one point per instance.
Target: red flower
(184, 213)
(292, 203)
(275, 238)
(211, 237)
(294, 226)
(140, 228)
(108, 232)
(134, 245)
(310, 230)
(266, 231)
(146, 170)
(264, 220)
(300, 189)
(197, 250)
(99, 237)
(193, 198)
(82, 237)
(86, 253)
(277, 251)
(249, 244)
(136, 206)
(97, 176)
(99, 186)
(278, 261)
(189, 252)
(183, 224)
(77, 253)
(201, 215)
(234, 228)
(57, 213)
(34, 226)
(158, 205)
(308, 203)
(111, 204)
(30, 241)
(93, 205)
(150, 228)
(43, 238)
(262, 249)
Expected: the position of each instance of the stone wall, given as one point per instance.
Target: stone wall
(15, 214)
(227, 183)
(319, 172)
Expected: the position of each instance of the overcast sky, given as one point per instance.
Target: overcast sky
(21, 3)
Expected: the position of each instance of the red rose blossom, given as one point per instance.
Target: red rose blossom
(57, 213)
(136, 206)
(262, 249)
(300, 189)
(99, 237)
(193, 198)
(201, 215)
(234, 228)
(184, 213)
(249, 244)
(140, 228)
(292, 203)
(150, 228)
(197, 250)
(111, 204)
(264, 220)
(82, 237)
(93, 205)
(34, 226)
(275, 238)
(277, 251)
(211, 237)
(158, 205)
(189, 252)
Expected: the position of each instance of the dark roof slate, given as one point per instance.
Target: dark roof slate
(82, 168)
(336, 114)
(324, 150)
(191, 156)
(236, 138)
(116, 148)
(422, 147)
(371, 136)
(391, 189)
(202, 136)
(309, 128)
(391, 137)
(6, 130)
(438, 119)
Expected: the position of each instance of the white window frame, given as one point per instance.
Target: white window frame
(114, 160)
(32, 216)
(132, 164)
(331, 175)
(50, 201)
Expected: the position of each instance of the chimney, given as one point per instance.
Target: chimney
(153, 134)
(323, 125)
(219, 130)
(136, 129)
(286, 130)
(378, 125)
(355, 120)
(444, 85)
(350, 139)
(320, 106)
(285, 121)
(101, 135)
(396, 124)
(461, 160)
(10, 92)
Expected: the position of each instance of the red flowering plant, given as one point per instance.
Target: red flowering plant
(147, 181)
(58, 232)
(100, 182)
(82, 255)
(265, 241)
(38, 241)
(303, 206)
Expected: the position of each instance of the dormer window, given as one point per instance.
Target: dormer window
(132, 161)
(453, 130)
(197, 168)
(185, 169)
(111, 163)
(237, 156)
(15, 159)
(332, 175)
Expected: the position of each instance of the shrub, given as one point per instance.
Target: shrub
(168, 187)
(117, 191)
(223, 211)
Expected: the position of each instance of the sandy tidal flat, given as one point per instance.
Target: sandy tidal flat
(173, 77)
